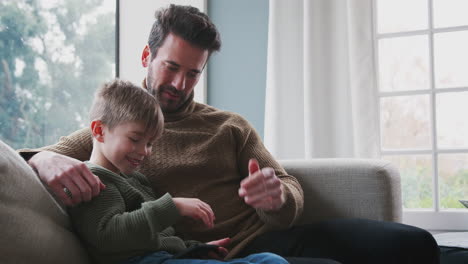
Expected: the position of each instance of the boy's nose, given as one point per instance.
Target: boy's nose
(144, 151)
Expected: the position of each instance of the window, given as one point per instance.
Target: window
(53, 56)
(422, 62)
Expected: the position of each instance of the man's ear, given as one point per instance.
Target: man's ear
(97, 130)
(145, 56)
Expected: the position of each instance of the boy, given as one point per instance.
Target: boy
(125, 223)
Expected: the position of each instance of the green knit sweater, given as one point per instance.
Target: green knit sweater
(204, 153)
(126, 220)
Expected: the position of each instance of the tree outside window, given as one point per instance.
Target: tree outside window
(53, 56)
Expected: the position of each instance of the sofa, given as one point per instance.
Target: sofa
(35, 228)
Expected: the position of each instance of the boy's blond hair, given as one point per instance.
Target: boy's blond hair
(121, 101)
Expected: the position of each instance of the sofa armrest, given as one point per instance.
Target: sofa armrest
(347, 188)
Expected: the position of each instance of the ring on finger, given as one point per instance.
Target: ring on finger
(67, 192)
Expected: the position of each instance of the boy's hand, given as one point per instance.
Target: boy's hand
(222, 251)
(196, 209)
(61, 173)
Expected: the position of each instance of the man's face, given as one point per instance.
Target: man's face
(174, 71)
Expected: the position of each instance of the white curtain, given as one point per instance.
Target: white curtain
(321, 99)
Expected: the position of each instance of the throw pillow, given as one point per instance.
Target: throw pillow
(34, 228)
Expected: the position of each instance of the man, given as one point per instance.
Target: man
(217, 157)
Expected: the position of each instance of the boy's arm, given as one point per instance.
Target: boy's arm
(190, 207)
(105, 224)
(60, 166)
(250, 146)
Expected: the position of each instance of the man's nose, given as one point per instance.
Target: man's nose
(179, 81)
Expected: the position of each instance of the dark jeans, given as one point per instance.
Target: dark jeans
(162, 257)
(351, 241)
(452, 255)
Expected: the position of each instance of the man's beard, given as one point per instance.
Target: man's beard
(168, 106)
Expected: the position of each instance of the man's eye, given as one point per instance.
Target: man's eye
(133, 139)
(192, 75)
(172, 68)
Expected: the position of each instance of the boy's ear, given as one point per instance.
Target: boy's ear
(145, 56)
(97, 130)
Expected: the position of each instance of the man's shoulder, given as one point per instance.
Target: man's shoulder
(224, 115)
(84, 132)
(81, 137)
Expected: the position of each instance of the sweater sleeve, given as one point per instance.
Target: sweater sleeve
(250, 146)
(104, 223)
(77, 145)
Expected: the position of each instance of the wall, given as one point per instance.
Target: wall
(237, 74)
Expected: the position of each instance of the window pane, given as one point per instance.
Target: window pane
(401, 15)
(451, 59)
(416, 180)
(450, 13)
(53, 54)
(453, 179)
(405, 122)
(452, 121)
(404, 64)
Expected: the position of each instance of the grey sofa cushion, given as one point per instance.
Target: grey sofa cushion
(34, 228)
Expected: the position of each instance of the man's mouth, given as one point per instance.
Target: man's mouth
(171, 95)
(170, 92)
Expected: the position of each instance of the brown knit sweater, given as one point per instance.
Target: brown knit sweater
(204, 153)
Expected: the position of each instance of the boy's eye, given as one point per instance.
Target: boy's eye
(133, 139)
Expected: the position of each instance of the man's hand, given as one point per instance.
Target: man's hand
(262, 189)
(62, 173)
(196, 209)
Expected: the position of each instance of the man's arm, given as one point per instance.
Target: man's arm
(277, 196)
(60, 166)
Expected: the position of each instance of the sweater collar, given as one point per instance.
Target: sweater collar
(184, 111)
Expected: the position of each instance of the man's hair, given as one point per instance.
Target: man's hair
(121, 101)
(186, 22)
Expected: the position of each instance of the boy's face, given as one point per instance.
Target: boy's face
(125, 146)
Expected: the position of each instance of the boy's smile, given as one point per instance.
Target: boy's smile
(124, 147)
(135, 161)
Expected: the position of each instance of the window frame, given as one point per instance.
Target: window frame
(433, 218)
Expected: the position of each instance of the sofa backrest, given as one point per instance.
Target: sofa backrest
(347, 188)
(34, 228)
